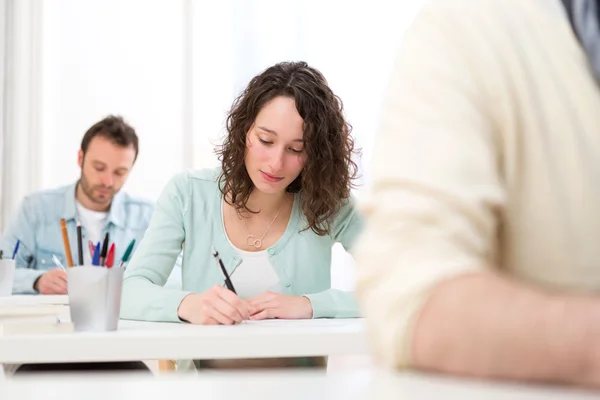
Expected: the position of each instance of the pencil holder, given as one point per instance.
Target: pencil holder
(7, 277)
(95, 297)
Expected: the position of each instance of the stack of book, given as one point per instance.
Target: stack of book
(24, 315)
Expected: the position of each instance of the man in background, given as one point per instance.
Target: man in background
(108, 152)
(481, 255)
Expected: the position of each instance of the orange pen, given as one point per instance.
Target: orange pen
(65, 236)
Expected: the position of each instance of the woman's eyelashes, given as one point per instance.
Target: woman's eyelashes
(269, 143)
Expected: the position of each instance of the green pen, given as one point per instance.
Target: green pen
(127, 254)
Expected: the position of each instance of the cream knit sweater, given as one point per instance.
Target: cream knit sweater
(488, 157)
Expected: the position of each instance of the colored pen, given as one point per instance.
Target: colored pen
(96, 257)
(65, 236)
(16, 249)
(127, 254)
(79, 244)
(58, 263)
(227, 280)
(92, 248)
(104, 251)
(110, 258)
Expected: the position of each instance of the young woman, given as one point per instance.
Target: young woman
(272, 210)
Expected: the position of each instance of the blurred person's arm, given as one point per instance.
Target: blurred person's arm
(427, 278)
(485, 325)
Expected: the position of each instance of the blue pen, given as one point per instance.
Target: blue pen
(96, 258)
(16, 249)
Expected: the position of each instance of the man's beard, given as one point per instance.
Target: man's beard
(88, 190)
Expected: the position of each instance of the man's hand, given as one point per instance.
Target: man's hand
(273, 305)
(52, 282)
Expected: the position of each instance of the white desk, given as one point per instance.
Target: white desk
(279, 385)
(149, 341)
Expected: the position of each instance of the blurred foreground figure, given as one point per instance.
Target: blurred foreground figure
(482, 255)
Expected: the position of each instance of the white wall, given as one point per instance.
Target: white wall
(113, 56)
(173, 67)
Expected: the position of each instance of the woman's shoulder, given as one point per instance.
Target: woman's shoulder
(193, 188)
(209, 175)
(205, 178)
(345, 208)
(347, 214)
(194, 183)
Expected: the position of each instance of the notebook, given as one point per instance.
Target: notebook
(24, 315)
(32, 327)
(33, 323)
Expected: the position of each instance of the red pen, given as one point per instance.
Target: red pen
(110, 257)
(92, 248)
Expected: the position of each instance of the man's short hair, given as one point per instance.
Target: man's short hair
(115, 129)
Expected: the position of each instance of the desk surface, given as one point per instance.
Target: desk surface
(148, 340)
(280, 385)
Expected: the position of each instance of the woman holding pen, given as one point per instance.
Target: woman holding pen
(272, 212)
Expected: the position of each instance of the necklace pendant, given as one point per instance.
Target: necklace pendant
(253, 241)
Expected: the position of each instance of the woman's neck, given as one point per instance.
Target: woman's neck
(267, 204)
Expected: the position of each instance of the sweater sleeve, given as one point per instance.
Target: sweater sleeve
(144, 297)
(432, 213)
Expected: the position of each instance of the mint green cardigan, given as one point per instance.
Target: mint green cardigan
(188, 214)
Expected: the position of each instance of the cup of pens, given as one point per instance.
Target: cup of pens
(95, 297)
(94, 290)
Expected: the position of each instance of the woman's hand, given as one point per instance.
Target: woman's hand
(216, 306)
(274, 305)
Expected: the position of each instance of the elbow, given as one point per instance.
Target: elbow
(404, 322)
(390, 316)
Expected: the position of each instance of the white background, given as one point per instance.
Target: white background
(171, 68)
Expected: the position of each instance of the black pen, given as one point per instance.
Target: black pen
(104, 250)
(79, 244)
(227, 280)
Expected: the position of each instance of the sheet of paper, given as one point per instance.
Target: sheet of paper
(296, 323)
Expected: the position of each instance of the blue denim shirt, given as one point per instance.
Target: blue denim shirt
(37, 226)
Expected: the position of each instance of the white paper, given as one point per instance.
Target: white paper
(295, 323)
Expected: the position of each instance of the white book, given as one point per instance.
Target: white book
(30, 319)
(48, 309)
(33, 328)
(33, 300)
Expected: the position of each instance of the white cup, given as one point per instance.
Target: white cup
(95, 297)
(7, 277)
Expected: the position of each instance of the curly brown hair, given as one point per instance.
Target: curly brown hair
(328, 174)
